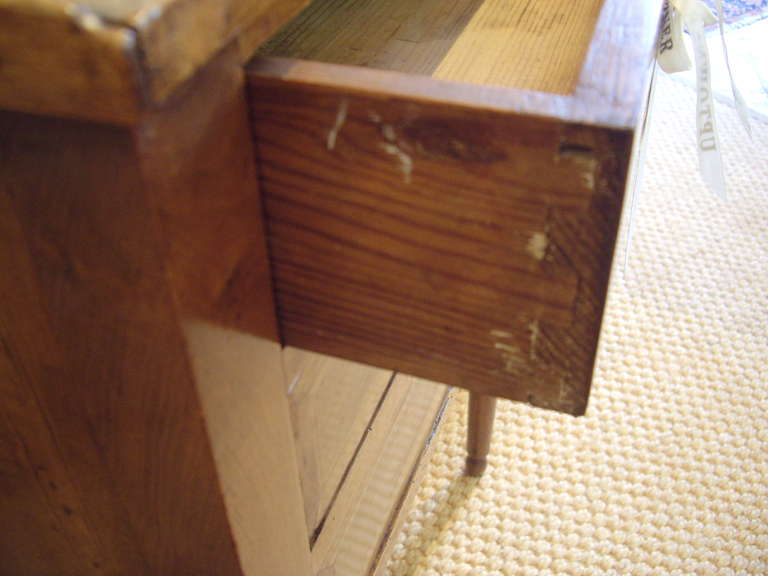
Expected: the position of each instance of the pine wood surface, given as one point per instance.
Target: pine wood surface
(368, 502)
(249, 423)
(333, 403)
(531, 45)
(609, 91)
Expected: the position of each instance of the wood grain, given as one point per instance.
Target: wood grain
(50, 524)
(532, 45)
(240, 379)
(400, 511)
(198, 161)
(471, 249)
(332, 405)
(104, 434)
(88, 326)
(197, 158)
(368, 501)
(608, 92)
(106, 60)
(52, 64)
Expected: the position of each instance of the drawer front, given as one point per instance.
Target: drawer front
(467, 246)
(443, 187)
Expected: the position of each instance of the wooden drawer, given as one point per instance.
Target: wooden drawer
(443, 183)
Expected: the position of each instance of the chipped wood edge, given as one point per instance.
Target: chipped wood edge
(65, 59)
(589, 162)
(617, 65)
(578, 108)
(62, 60)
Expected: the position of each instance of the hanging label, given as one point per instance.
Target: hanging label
(672, 54)
(710, 160)
(696, 15)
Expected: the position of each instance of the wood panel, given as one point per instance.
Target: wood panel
(369, 500)
(197, 157)
(611, 69)
(242, 392)
(333, 402)
(401, 509)
(106, 60)
(88, 326)
(198, 161)
(52, 65)
(104, 434)
(533, 45)
(49, 524)
(472, 249)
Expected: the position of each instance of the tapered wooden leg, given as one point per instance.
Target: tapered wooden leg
(482, 409)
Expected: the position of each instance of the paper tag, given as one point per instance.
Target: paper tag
(696, 15)
(672, 54)
(710, 160)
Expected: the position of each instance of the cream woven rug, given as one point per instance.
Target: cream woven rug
(668, 471)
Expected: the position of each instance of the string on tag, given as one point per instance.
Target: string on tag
(637, 176)
(741, 106)
(672, 56)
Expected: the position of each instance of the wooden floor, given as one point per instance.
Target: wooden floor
(527, 44)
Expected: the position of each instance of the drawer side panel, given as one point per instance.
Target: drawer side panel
(469, 247)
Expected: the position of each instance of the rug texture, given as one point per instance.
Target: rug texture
(668, 472)
(735, 10)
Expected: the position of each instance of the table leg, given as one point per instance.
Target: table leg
(482, 409)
